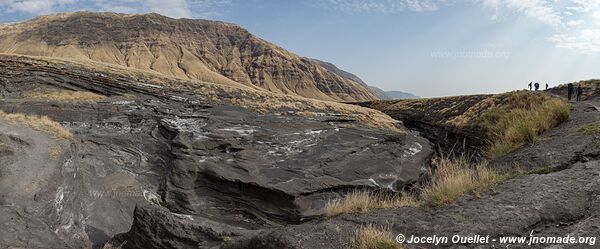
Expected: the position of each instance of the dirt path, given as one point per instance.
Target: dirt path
(566, 202)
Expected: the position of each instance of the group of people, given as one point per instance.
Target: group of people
(571, 90)
(570, 87)
(536, 85)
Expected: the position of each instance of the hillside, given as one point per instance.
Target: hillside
(189, 49)
(381, 94)
(470, 123)
(590, 88)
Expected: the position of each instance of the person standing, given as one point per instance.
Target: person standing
(537, 86)
(570, 89)
(530, 84)
(546, 86)
(579, 92)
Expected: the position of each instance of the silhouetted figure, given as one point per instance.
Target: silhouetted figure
(537, 86)
(570, 89)
(546, 86)
(530, 83)
(579, 92)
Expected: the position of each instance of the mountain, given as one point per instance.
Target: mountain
(381, 94)
(391, 95)
(203, 50)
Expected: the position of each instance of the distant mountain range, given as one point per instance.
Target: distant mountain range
(381, 94)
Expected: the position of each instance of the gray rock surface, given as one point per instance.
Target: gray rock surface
(214, 164)
(531, 203)
(556, 204)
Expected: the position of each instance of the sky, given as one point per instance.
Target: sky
(427, 47)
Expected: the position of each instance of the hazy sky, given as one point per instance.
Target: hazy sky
(426, 47)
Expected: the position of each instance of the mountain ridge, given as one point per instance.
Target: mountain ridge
(381, 94)
(206, 50)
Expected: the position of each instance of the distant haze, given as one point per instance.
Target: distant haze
(425, 47)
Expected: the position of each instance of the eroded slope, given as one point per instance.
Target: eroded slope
(190, 49)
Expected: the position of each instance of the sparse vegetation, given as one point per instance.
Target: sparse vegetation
(365, 201)
(54, 152)
(452, 178)
(590, 129)
(510, 120)
(371, 237)
(41, 123)
(520, 120)
(67, 96)
(455, 177)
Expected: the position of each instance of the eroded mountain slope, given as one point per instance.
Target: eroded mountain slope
(190, 49)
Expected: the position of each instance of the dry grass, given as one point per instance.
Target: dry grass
(590, 129)
(40, 123)
(456, 177)
(365, 201)
(54, 152)
(371, 237)
(452, 178)
(67, 96)
(521, 119)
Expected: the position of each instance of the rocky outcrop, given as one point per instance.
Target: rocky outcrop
(449, 122)
(535, 203)
(157, 227)
(209, 51)
(205, 165)
(561, 201)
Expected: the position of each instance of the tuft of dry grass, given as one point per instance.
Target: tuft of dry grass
(365, 201)
(590, 129)
(54, 152)
(40, 123)
(456, 177)
(67, 96)
(371, 237)
(521, 120)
